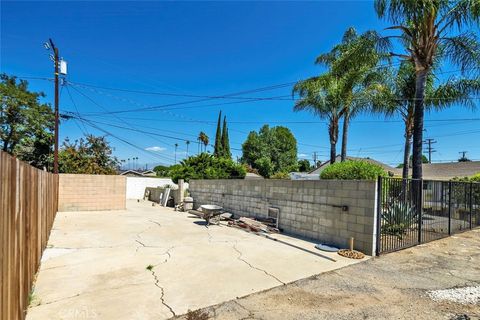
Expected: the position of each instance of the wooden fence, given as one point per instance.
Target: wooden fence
(28, 204)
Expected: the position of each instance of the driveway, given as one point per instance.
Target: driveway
(150, 262)
(438, 280)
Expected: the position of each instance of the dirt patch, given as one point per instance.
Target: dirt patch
(399, 285)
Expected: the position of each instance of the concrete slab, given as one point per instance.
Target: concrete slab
(96, 264)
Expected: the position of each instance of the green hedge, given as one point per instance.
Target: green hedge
(206, 166)
(353, 170)
(475, 177)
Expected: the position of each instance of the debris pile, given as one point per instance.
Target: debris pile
(465, 295)
(253, 225)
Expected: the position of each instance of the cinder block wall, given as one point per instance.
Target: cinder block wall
(310, 209)
(86, 192)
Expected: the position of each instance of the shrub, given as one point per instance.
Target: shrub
(475, 177)
(206, 166)
(353, 170)
(280, 175)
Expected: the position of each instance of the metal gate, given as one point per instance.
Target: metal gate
(411, 212)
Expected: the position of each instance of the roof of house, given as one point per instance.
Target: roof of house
(253, 176)
(447, 170)
(131, 173)
(386, 167)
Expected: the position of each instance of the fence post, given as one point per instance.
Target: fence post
(471, 204)
(181, 190)
(420, 209)
(379, 214)
(449, 207)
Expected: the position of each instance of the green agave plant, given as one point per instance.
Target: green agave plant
(397, 217)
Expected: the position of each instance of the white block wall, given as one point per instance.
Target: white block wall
(136, 185)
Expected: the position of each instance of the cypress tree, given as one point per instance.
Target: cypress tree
(218, 149)
(225, 141)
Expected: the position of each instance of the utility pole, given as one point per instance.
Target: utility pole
(187, 142)
(429, 142)
(315, 159)
(55, 61)
(464, 156)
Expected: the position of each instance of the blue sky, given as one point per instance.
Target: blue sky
(196, 48)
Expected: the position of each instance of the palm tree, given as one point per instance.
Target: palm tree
(396, 96)
(354, 61)
(203, 138)
(176, 146)
(323, 97)
(424, 27)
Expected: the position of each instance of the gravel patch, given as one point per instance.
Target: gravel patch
(466, 295)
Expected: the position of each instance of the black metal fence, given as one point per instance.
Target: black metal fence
(411, 212)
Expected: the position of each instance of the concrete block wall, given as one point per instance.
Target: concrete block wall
(85, 192)
(310, 209)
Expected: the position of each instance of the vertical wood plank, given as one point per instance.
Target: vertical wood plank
(28, 205)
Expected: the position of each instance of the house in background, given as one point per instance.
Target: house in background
(149, 173)
(447, 170)
(135, 173)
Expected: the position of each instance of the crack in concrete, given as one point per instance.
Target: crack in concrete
(168, 254)
(210, 238)
(156, 222)
(162, 297)
(251, 314)
(253, 267)
(87, 292)
(139, 235)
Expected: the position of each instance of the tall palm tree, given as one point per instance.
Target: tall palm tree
(203, 138)
(354, 60)
(188, 143)
(424, 27)
(396, 97)
(323, 97)
(176, 146)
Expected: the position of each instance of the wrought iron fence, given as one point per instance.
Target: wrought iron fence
(411, 212)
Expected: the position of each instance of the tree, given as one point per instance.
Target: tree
(225, 140)
(353, 61)
(271, 150)
(161, 171)
(304, 165)
(206, 166)
(218, 147)
(424, 33)
(323, 97)
(203, 138)
(26, 125)
(397, 95)
(90, 156)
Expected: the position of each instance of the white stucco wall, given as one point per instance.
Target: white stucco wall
(136, 185)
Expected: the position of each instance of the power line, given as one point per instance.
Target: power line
(123, 140)
(84, 131)
(290, 122)
(210, 97)
(123, 121)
